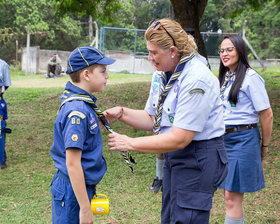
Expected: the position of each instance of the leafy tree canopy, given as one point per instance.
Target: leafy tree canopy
(98, 9)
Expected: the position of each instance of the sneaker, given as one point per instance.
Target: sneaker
(157, 185)
(55, 76)
(47, 76)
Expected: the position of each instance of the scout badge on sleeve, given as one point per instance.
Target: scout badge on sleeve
(126, 155)
(100, 206)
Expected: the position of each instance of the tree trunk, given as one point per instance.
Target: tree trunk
(188, 13)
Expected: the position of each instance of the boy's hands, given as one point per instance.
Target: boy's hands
(86, 216)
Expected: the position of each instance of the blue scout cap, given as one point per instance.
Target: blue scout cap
(83, 57)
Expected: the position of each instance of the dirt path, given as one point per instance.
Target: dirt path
(61, 81)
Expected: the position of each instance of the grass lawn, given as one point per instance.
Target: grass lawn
(24, 186)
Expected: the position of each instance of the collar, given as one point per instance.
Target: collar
(71, 89)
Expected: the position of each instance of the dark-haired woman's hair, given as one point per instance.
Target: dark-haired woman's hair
(243, 65)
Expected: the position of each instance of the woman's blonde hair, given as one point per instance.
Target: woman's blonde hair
(184, 42)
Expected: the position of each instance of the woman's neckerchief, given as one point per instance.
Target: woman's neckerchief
(227, 78)
(166, 85)
(87, 99)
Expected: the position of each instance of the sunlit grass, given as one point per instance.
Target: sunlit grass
(24, 185)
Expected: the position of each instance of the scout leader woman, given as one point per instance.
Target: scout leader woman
(244, 97)
(185, 112)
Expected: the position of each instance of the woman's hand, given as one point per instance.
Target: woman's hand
(264, 150)
(113, 114)
(119, 142)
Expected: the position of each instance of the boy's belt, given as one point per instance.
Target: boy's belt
(65, 177)
(240, 128)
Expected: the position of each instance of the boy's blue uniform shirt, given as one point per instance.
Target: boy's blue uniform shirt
(77, 127)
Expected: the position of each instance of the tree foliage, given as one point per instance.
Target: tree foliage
(189, 13)
(262, 29)
(63, 24)
(47, 30)
(98, 9)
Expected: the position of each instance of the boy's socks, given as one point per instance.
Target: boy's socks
(234, 221)
(159, 168)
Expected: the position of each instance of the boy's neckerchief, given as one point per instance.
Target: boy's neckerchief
(126, 155)
(164, 89)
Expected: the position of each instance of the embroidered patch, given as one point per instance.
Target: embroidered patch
(155, 88)
(171, 119)
(93, 126)
(156, 79)
(75, 120)
(74, 137)
(92, 120)
(176, 89)
(77, 113)
(196, 90)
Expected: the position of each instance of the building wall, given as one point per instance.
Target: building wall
(38, 59)
(125, 62)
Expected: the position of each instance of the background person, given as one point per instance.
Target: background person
(54, 66)
(3, 118)
(77, 146)
(244, 98)
(5, 79)
(185, 112)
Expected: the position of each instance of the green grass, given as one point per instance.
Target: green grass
(24, 185)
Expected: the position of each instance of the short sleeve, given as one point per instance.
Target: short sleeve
(6, 78)
(75, 128)
(152, 101)
(194, 106)
(257, 92)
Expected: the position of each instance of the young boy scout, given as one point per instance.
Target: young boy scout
(77, 145)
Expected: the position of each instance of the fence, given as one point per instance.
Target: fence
(132, 41)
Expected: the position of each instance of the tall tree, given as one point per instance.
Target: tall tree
(47, 29)
(189, 14)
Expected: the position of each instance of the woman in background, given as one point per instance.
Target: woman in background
(245, 101)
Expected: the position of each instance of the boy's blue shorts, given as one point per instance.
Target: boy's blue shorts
(65, 207)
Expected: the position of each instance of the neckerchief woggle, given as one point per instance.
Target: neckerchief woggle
(164, 90)
(126, 155)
